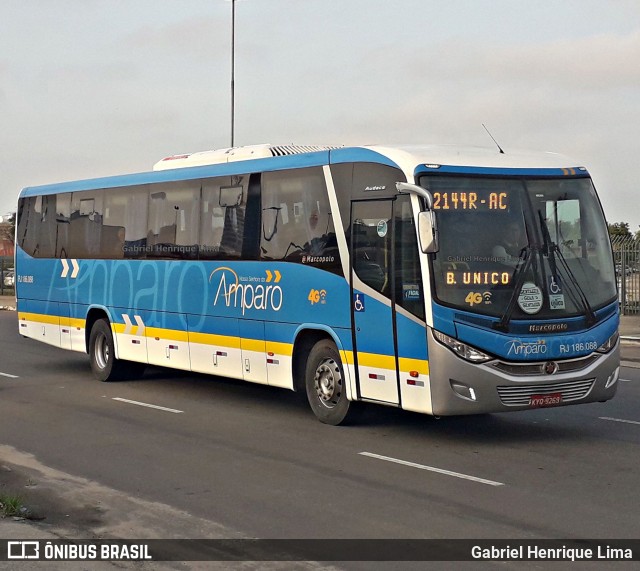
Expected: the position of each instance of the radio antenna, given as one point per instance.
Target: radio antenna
(493, 139)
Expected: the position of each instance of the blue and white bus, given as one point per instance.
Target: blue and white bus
(437, 279)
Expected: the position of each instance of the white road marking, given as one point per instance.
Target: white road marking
(10, 376)
(618, 420)
(148, 405)
(432, 469)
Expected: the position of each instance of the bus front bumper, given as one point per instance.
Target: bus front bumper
(459, 387)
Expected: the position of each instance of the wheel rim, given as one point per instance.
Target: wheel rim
(101, 351)
(328, 382)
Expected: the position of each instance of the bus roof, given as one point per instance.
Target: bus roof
(412, 159)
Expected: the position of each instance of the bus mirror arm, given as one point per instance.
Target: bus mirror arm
(407, 188)
(427, 226)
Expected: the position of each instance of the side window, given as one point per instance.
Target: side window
(222, 216)
(124, 228)
(408, 286)
(85, 224)
(297, 225)
(372, 244)
(173, 220)
(42, 231)
(63, 217)
(27, 225)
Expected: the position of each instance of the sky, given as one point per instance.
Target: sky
(92, 88)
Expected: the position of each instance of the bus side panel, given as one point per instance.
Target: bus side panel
(252, 345)
(413, 365)
(168, 340)
(130, 331)
(214, 346)
(279, 344)
(77, 325)
(39, 320)
(64, 311)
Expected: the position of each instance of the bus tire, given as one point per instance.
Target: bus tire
(325, 384)
(102, 353)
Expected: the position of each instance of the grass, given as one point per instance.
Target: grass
(10, 505)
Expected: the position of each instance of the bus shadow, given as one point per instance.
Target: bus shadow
(487, 429)
(565, 423)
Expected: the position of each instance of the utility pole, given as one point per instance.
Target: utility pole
(233, 68)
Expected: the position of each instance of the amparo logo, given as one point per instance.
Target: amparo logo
(245, 292)
(527, 348)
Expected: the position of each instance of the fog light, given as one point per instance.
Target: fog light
(613, 378)
(463, 390)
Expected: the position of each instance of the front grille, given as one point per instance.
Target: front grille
(528, 369)
(521, 395)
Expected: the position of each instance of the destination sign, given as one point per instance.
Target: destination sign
(470, 201)
(462, 277)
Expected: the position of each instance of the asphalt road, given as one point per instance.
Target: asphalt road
(254, 459)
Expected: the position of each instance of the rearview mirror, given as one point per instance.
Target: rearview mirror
(427, 226)
(427, 232)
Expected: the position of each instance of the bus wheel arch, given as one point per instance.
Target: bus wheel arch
(102, 353)
(95, 313)
(319, 372)
(101, 347)
(303, 344)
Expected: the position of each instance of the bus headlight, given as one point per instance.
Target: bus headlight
(608, 344)
(461, 349)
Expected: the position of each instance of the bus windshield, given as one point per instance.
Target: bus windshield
(543, 242)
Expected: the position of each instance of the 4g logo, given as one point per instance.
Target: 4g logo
(317, 296)
(474, 298)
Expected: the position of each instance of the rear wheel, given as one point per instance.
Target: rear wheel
(325, 384)
(102, 354)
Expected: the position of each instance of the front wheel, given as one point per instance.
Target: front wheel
(325, 384)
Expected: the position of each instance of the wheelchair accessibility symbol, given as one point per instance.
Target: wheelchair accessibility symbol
(554, 285)
(358, 302)
(556, 297)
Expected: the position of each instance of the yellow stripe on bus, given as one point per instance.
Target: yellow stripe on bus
(212, 339)
(256, 345)
(419, 365)
(283, 349)
(166, 334)
(72, 322)
(373, 360)
(39, 318)
(377, 361)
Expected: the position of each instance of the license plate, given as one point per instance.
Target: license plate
(540, 401)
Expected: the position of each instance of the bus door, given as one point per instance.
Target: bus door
(373, 311)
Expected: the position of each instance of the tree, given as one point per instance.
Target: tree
(8, 227)
(619, 229)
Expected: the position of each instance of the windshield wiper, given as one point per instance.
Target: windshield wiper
(519, 275)
(576, 293)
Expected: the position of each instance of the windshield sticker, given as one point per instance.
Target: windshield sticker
(556, 301)
(530, 298)
(556, 297)
(382, 228)
(411, 292)
(555, 286)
